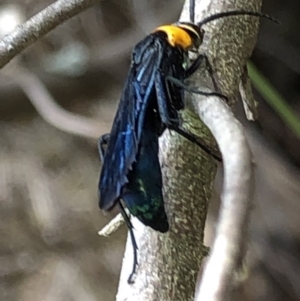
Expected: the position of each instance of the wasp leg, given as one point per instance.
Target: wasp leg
(162, 100)
(103, 141)
(165, 107)
(198, 141)
(179, 83)
(134, 244)
(196, 64)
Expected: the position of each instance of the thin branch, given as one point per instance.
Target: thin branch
(231, 234)
(249, 102)
(47, 107)
(113, 225)
(231, 44)
(39, 25)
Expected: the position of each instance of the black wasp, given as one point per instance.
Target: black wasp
(152, 98)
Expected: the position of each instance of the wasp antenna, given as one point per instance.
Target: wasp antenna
(236, 13)
(192, 11)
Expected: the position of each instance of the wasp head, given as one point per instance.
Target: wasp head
(195, 32)
(184, 35)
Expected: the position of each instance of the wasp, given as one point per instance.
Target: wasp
(151, 101)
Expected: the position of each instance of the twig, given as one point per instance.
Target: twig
(113, 225)
(51, 111)
(39, 25)
(249, 102)
(229, 48)
(231, 234)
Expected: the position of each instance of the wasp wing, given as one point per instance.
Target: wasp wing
(170, 96)
(128, 124)
(143, 193)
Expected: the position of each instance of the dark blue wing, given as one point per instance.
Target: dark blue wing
(170, 97)
(143, 194)
(128, 124)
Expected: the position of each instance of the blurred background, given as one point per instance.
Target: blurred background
(49, 216)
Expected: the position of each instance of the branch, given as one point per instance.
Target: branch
(231, 43)
(47, 107)
(231, 234)
(39, 25)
